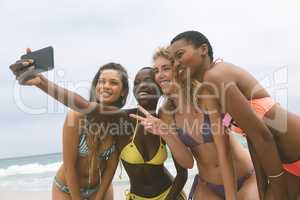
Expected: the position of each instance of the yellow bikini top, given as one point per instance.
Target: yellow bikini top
(131, 154)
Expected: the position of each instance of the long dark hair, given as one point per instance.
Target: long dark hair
(93, 140)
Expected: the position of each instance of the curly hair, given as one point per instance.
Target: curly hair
(165, 53)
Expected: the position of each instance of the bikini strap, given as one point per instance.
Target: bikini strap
(160, 141)
(135, 129)
(105, 155)
(218, 60)
(193, 188)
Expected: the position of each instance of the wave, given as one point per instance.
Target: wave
(33, 168)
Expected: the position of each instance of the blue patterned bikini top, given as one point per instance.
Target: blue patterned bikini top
(83, 149)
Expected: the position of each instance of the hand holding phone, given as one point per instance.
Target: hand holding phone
(42, 61)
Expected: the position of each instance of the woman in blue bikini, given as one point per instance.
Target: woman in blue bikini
(90, 157)
(89, 162)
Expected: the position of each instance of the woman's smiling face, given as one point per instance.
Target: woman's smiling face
(164, 74)
(145, 90)
(187, 58)
(109, 87)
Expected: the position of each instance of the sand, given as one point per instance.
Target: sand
(7, 194)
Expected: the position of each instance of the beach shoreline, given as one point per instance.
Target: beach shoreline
(119, 190)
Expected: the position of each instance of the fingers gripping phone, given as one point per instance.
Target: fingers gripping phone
(43, 61)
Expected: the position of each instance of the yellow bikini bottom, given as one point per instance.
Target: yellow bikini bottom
(162, 196)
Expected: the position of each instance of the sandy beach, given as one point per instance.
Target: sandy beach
(119, 188)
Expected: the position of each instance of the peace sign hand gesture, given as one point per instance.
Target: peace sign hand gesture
(151, 124)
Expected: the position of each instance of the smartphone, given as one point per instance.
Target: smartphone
(43, 61)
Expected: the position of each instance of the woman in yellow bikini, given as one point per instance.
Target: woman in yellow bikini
(143, 154)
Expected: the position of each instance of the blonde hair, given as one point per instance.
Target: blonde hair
(163, 52)
(195, 84)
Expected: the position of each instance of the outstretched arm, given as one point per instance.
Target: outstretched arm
(66, 97)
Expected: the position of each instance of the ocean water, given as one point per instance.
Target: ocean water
(36, 173)
(31, 173)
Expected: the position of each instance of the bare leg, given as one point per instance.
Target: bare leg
(249, 189)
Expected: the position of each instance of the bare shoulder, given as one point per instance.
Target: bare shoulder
(216, 73)
(225, 72)
(73, 119)
(75, 115)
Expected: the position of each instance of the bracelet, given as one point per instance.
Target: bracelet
(277, 175)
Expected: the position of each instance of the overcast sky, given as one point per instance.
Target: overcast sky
(261, 36)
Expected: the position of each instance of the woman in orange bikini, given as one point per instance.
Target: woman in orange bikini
(272, 144)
